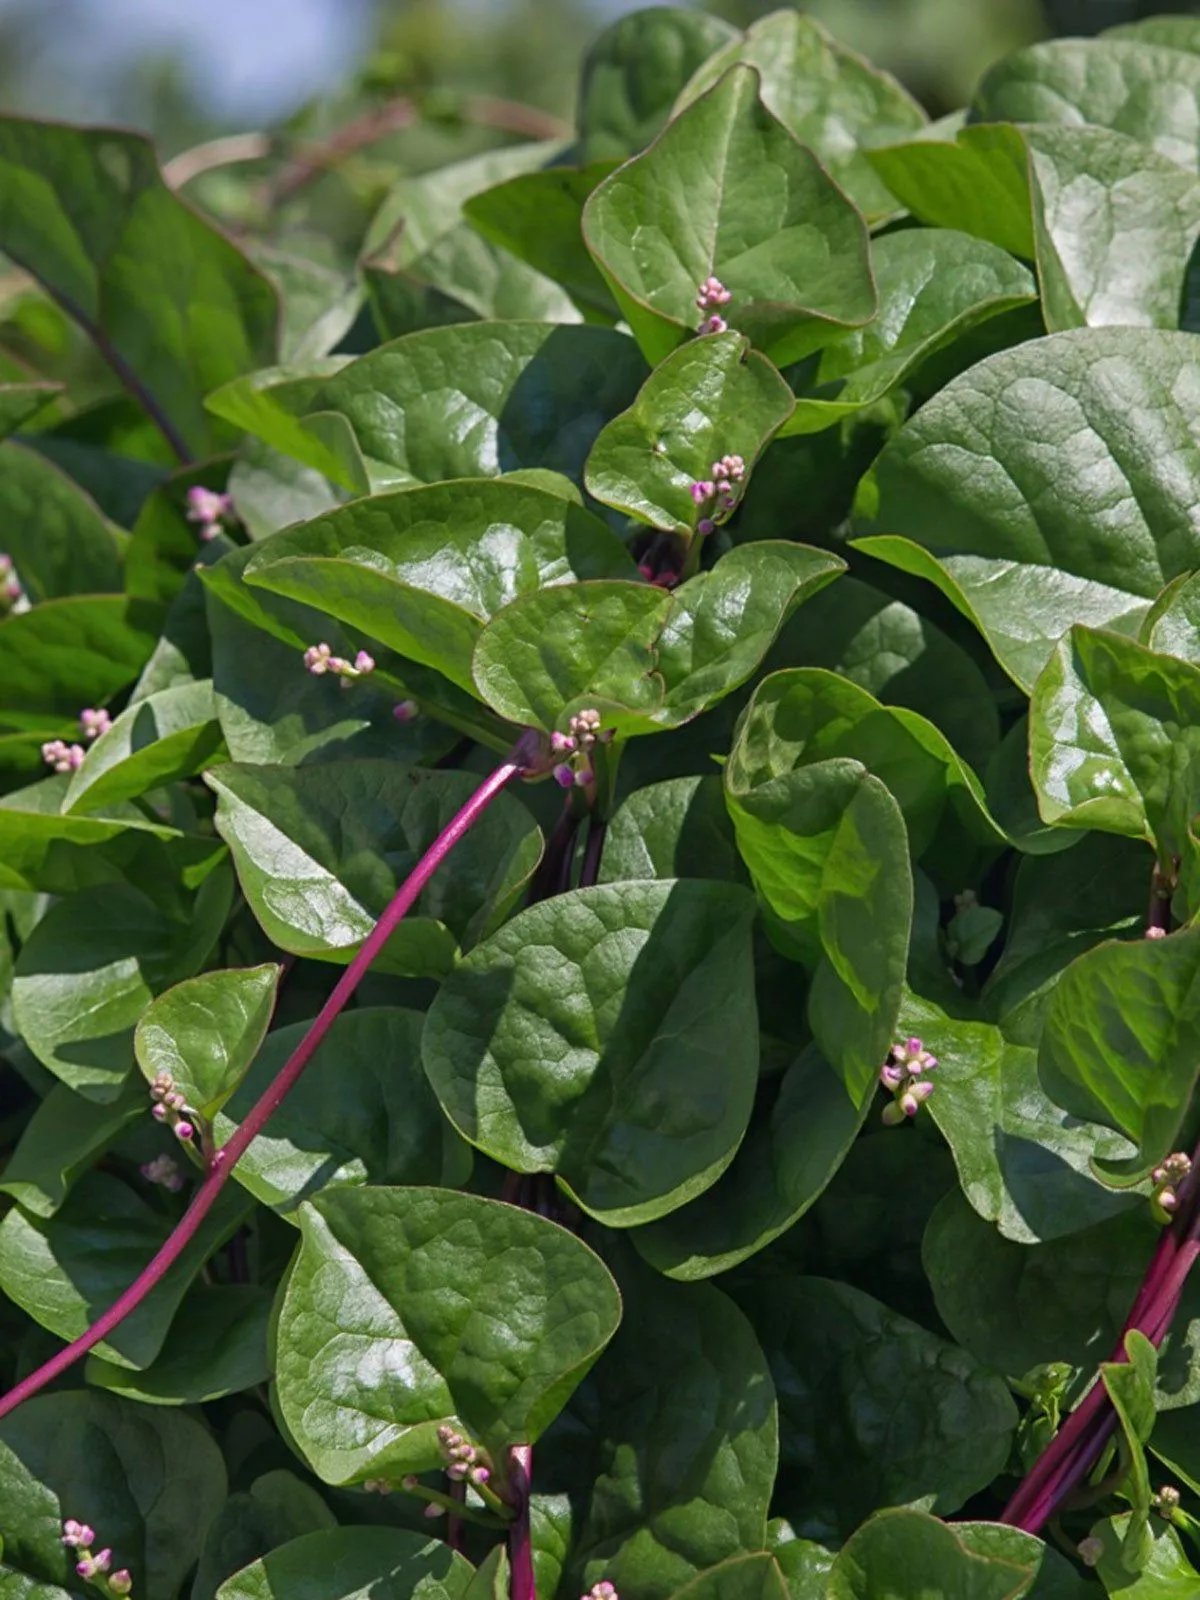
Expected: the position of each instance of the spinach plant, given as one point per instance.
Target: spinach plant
(599, 880)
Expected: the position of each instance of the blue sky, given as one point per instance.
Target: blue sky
(245, 59)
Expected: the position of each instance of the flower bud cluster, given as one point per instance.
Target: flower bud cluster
(164, 1172)
(95, 1566)
(93, 723)
(718, 496)
(576, 770)
(171, 1108)
(711, 297)
(320, 659)
(1166, 1500)
(210, 510)
(601, 1591)
(62, 757)
(905, 1075)
(462, 1458)
(12, 594)
(1166, 1179)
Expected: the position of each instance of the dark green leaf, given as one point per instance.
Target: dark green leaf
(752, 1577)
(66, 654)
(908, 1555)
(677, 829)
(469, 1309)
(57, 538)
(205, 1032)
(62, 1140)
(727, 190)
(276, 1508)
(166, 736)
(216, 1346)
(591, 1037)
(351, 1563)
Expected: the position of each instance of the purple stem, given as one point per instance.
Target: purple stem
(225, 1159)
(590, 871)
(520, 1543)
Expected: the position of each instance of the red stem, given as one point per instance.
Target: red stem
(520, 1542)
(225, 1159)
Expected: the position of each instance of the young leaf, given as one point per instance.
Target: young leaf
(169, 735)
(827, 97)
(205, 1032)
(1130, 1386)
(874, 1410)
(321, 850)
(711, 398)
(977, 181)
(346, 1563)
(362, 1113)
(467, 1309)
(909, 1555)
(964, 482)
(726, 190)
(106, 1462)
(592, 1038)
(633, 71)
(1167, 1574)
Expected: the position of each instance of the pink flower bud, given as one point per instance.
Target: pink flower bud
(317, 658)
(207, 506)
(479, 1474)
(457, 1470)
(94, 723)
(121, 1583)
(702, 490)
(433, 1511)
(364, 663)
(405, 711)
(410, 1482)
(891, 1077)
(563, 776)
(561, 743)
(647, 571)
(705, 526)
(159, 1113)
(184, 1131)
(102, 1560)
(714, 325)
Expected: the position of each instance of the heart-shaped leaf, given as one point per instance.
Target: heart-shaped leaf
(321, 850)
(487, 1314)
(205, 1032)
(711, 398)
(908, 1555)
(827, 97)
(575, 1041)
(676, 829)
(965, 483)
(726, 190)
(349, 1563)
(362, 1113)
(276, 1508)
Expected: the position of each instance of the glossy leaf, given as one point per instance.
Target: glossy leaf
(711, 398)
(66, 1269)
(321, 850)
(676, 829)
(964, 484)
(489, 1314)
(106, 1462)
(166, 736)
(205, 1032)
(977, 181)
(909, 1555)
(362, 1113)
(348, 1563)
(788, 244)
(66, 654)
(422, 570)
(633, 71)
(577, 1038)
(1122, 1039)
(874, 1410)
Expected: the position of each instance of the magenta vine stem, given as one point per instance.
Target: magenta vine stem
(226, 1158)
(1078, 1444)
(520, 1540)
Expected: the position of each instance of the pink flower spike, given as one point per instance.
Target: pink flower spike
(317, 658)
(405, 711)
(702, 490)
(479, 1475)
(62, 757)
(207, 506)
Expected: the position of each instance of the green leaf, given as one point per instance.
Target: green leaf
(320, 851)
(797, 1139)
(171, 303)
(1024, 1162)
(750, 1577)
(978, 181)
(61, 1141)
(935, 285)
(633, 71)
(272, 404)
(67, 1269)
(276, 1508)
(483, 399)
(351, 1563)
(84, 977)
(22, 402)
(1122, 1039)
(106, 1462)
(1166, 1575)
(1130, 1388)
(874, 1410)
(205, 1032)
(710, 398)
(668, 1451)
(1179, 33)
(909, 1555)
(56, 536)
(1055, 1577)
(828, 98)
(468, 1309)
(965, 483)
(63, 655)
(589, 644)
(726, 190)
(216, 1346)
(1140, 89)
(363, 1113)
(590, 1037)
(169, 735)
(423, 569)
(538, 217)
(676, 829)
(1113, 742)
